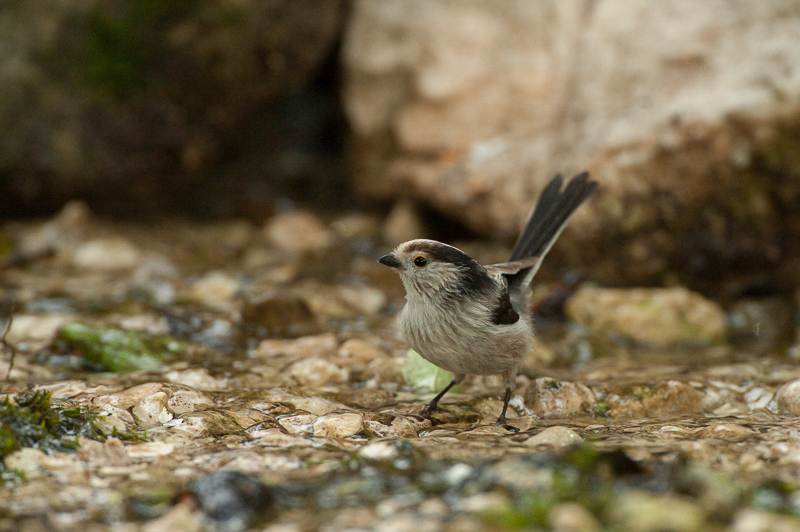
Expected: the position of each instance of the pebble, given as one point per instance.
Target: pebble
(183, 401)
(298, 232)
(547, 397)
(756, 520)
(316, 372)
(131, 396)
(302, 424)
(152, 411)
(106, 255)
(320, 346)
(379, 451)
(338, 425)
(313, 405)
(150, 449)
(572, 517)
(362, 350)
(788, 398)
(554, 437)
(196, 378)
(650, 316)
(26, 460)
(640, 512)
(726, 431)
(215, 290)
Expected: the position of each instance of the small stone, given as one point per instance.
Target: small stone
(298, 232)
(319, 346)
(363, 299)
(572, 517)
(726, 431)
(215, 290)
(151, 449)
(381, 451)
(550, 398)
(315, 372)
(313, 405)
(183, 401)
(152, 411)
(640, 512)
(788, 398)
(758, 398)
(338, 425)
(302, 424)
(196, 378)
(650, 316)
(672, 397)
(554, 437)
(131, 396)
(757, 520)
(106, 255)
(362, 350)
(26, 460)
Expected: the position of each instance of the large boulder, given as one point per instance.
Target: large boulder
(128, 103)
(687, 113)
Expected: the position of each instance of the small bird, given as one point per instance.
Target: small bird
(470, 319)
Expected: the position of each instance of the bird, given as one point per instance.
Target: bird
(470, 319)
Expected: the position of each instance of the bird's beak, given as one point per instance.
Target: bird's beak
(390, 261)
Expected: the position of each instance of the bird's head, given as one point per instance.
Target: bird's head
(429, 268)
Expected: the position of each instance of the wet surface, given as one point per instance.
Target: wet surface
(274, 395)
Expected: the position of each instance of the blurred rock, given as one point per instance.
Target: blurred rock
(650, 316)
(554, 437)
(279, 315)
(761, 324)
(216, 290)
(130, 107)
(572, 517)
(788, 398)
(550, 398)
(361, 350)
(672, 397)
(298, 232)
(152, 411)
(232, 499)
(315, 372)
(317, 346)
(338, 425)
(106, 255)
(27, 461)
(642, 512)
(403, 223)
(183, 401)
(472, 106)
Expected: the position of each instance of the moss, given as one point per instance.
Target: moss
(119, 350)
(31, 420)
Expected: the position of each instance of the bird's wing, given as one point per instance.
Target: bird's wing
(511, 268)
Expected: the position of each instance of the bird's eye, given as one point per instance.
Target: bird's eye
(420, 261)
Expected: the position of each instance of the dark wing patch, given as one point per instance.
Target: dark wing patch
(504, 313)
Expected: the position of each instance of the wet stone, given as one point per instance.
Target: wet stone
(555, 437)
(788, 398)
(106, 255)
(650, 316)
(298, 232)
(316, 372)
(152, 411)
(547, 397)
(338, 425)
(279, 315)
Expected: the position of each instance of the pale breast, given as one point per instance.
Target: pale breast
(464, 342)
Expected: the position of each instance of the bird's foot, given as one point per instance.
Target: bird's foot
(502, 422)
(429, 409)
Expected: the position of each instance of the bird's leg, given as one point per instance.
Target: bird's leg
(502, 419)
(510, 379)
(434, 404)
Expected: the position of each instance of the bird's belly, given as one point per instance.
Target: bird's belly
(461, 349)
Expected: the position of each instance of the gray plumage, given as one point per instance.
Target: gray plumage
(475, 320)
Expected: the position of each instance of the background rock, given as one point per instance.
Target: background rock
(686, 113)
(131, 104)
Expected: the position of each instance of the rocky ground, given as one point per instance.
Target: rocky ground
(185, 376)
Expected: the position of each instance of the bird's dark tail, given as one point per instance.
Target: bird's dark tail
(547, 219)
